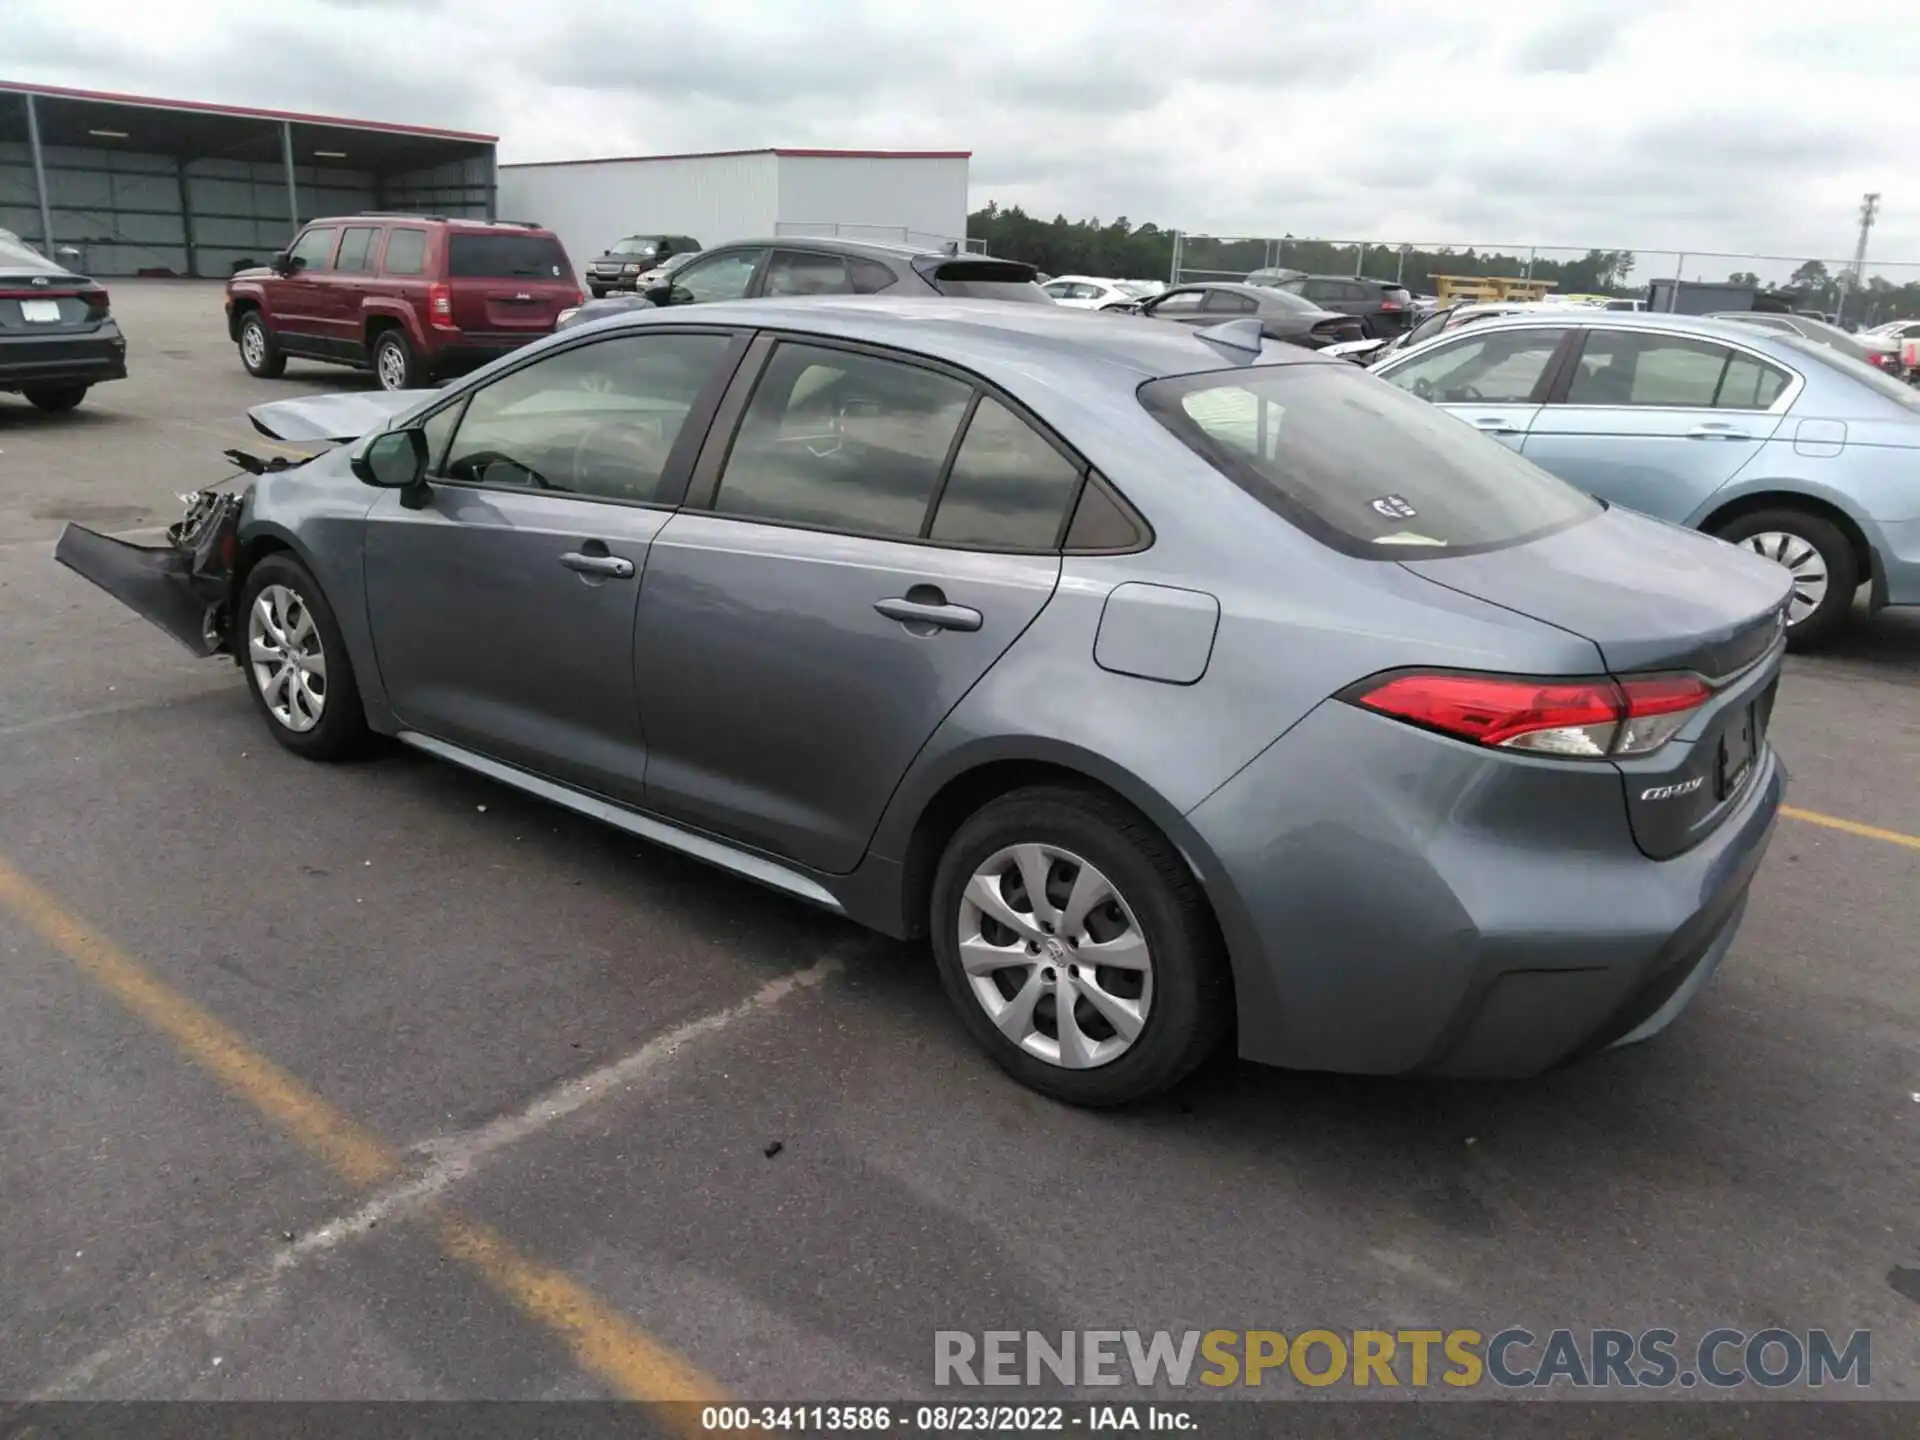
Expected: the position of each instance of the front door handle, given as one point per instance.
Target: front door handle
(616, 566)
(1715, 432)
(1495, 425)
(916, 610)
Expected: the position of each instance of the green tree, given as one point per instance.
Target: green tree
(1744, 277)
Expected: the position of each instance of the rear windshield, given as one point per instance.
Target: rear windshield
(1361, 465)
(987, 280)
(501, 257)
(1867, 373)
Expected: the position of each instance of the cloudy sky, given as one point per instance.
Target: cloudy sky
(1712, 126)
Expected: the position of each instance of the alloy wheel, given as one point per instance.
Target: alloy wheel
(253, 345)
(392, 367)
(1802, 561)
(289, 662)
(1055, 956)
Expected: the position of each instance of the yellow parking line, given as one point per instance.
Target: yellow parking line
(1852, 827)
(632, 1363)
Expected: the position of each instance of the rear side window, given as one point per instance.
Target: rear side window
(1361, 465)
(1009, 490)
(840, 441)
(1620, 367)
(406, 252)
(355, 245)
(505, 257)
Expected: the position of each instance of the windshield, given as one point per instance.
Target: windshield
(501, 257)
(1361, 465)
(636, 245)
(1864, 371)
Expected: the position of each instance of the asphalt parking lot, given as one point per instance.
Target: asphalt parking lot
(381, 1081)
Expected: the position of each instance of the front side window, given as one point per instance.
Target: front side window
(1622, 367)
(356, 243)
(1362, 465)
(841, 441)
(597, 420)
(725, 276)
(1226, 302)
(1497, 368)
(809, 272)
(406, 252)
(1009, 490)
(313, 249)
(1179, 302)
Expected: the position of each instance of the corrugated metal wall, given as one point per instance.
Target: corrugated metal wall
(590, 205)
(459, 187)
(862, 197)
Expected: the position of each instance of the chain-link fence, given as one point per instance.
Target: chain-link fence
(1885, 289)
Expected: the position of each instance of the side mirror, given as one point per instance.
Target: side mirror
(661, 293)
(396, 460)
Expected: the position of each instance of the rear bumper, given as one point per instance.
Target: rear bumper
(1897, 564)
(1400, 903)
(88, 359)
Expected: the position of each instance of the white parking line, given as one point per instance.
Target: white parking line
(448, 1160)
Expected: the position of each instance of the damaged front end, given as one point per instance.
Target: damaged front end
(185, 586)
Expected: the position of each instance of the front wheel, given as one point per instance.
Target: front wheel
(296, 662)
(1817, 557)
(1077, 947)
(55, 399)
(260, 353)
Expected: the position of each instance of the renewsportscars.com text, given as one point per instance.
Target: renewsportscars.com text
(1512, 1358)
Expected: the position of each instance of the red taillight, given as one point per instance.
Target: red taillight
(96, 304)
(1885, 362)
(1388, 307)
(440, 305)
(1587, 719)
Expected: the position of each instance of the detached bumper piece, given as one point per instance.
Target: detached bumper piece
(184, 586)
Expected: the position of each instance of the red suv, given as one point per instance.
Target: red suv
(414, 298)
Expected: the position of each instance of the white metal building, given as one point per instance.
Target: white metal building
(917, 196)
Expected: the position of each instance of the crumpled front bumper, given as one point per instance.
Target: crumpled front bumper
(185, 586)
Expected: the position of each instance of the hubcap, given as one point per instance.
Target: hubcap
(289, 663)
(1802, 562)
(393, 368)
(253, 345)
(1055, 956)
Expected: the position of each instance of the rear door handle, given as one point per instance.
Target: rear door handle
(616, 566)
(936, 613)
(1494, 425)
(1715, 432)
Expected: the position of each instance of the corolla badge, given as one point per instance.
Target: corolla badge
(1667, 792)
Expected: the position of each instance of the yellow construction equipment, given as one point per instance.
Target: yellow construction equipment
(1452, 289)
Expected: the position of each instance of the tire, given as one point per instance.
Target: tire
(598, 293)
(394, 365)
(55, 399)
(1185, 1000)
(280, 589)
(260, 353)
(1786, 535)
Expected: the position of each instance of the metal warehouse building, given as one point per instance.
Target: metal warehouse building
(131, 185)
(915, 196)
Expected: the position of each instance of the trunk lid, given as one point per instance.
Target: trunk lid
(508, 281)
(42, 303)
(1649, 595)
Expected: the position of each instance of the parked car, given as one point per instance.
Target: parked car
(1383, 307)
(414, 298)
(621, 264)
(58, 337)
(1882, 351)
(1171, 682)
(1450, 317)
(1282, 316)
(1088, 292)
(1898, 330)
(1790, 447)
(751, 268)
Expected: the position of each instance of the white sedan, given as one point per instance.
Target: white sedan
(1090, 292)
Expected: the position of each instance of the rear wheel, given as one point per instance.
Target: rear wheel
(296, 662)
(1077, 947)
(259, 351)
(54, 398)
(1818, 557)
(394, 365)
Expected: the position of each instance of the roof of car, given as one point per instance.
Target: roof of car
(464, 222)
(987, 335)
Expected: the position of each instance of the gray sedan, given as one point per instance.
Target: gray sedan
(1174, 682)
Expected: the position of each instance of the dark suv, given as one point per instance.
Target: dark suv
(414, 298)
(621, 264)
(1383, 308)
(744, 268)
